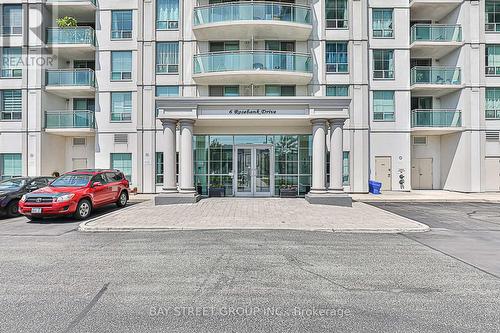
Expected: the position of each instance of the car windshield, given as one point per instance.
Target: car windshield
(71, 181)
(13, 184)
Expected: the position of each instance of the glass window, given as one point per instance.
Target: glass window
(167, 57)
(336, 14)
(12, 20)
(345, 169)
(275, 90)
(11, 104)
(122, 162)
(336, 57)
(11, 62)
(492, 60)
(165, 91)
(226, 91)
(121, 106)
(382, 23)
(492, 103)
(10, 166)
(121, 24)
(121, 65)
(159, 168)
(492, 15)
(383, 64)
(383, 105)
(337, 90)
(167, 14)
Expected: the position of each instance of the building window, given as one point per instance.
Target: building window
(336, 14)
(10, 166)
(336, 57)
(492, 60)
(121, 106)
(492, 15)
(121, 24)
(382, 23)
(337, 90)
(121, 65)
(492, 103)
(383, 105)
(345, 168)
(11, 105)
(12, 20)
(159, 168)
(226, 91)
(122, 162)
(275, 90)
(167, 57)
(166, 91)
(167, 14)
(383, 64)
(11, 62)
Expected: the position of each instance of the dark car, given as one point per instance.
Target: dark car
(11, 191)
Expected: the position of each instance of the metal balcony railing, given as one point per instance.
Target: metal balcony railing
(435, 75)
(70, 77)
(436, 118)
(436, 33)
(69, 119)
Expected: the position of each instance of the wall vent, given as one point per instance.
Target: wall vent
(492, 135)
(79, 141)
(121, 138)
(419, 140)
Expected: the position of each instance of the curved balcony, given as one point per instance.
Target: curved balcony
(258, 67)
(434, 40)
(252, 19)
(70, 122)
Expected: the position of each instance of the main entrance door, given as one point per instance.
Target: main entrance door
(253, 170)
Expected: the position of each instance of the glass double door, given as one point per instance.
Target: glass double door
(253, 170)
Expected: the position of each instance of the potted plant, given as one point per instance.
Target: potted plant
(216, 190)
(288, 191)
(66, 22)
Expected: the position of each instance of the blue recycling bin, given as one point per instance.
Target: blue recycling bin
(374, 187)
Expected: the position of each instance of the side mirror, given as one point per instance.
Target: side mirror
(95, 184)
(32, 187)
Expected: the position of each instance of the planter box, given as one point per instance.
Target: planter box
(216, 192)
(288, 193)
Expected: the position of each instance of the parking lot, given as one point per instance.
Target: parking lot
(56, 279)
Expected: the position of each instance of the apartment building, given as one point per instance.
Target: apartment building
(254, 96)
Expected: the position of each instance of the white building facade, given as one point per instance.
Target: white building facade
(254, 97)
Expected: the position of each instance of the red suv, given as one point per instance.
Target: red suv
(76, 193)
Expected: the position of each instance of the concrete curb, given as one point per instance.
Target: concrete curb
(426, 200)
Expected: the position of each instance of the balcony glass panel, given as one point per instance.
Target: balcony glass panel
(436, 118)
(63, 1)
(79, 35)
(252, 11)
(435, 75)
(69, 119)
(70, 77)
(436, 33)
(252, 61)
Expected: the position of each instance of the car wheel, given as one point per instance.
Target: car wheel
(13, 209)
(122, 199)
(83, 209)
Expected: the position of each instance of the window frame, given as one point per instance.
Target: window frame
(168, 64)
(122, 31)
(383, 11)
(18, 159)
(496, 110)
(124, 106)
(170, 24)
(125, 76)
(16, 72)
(495, 69)
(159, 164)
(336, 54)
(112, 157)
(495, 13)
(12, 113)
(336, 8)
(12, 29)
(337, 87)
(387, 73)
(384, 113)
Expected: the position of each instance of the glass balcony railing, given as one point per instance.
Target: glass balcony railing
(70, 77)
(69, 1)
(69, 119)
(252, 61)
(252, 11)
(435, 75)
(78, 35)
(436, 118)
(436, 33)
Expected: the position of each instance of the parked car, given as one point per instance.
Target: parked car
(11, 191)
(76, 194)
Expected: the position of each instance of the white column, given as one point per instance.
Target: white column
(169, 130)
(336, 155)
(318, 156)
(186, 183)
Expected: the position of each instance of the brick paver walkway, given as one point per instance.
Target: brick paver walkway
(254, 213)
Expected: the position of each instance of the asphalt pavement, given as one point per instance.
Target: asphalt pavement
(56, 279)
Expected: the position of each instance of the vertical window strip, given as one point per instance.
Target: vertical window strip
(159, 170)
(167, 57)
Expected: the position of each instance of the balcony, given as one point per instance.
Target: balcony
(255, 19)
(70, 122)
(434, 10)
(252, 67)
(436, 121)
(435, 81)
(70, 83)
(72, 42)
(434, 40)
